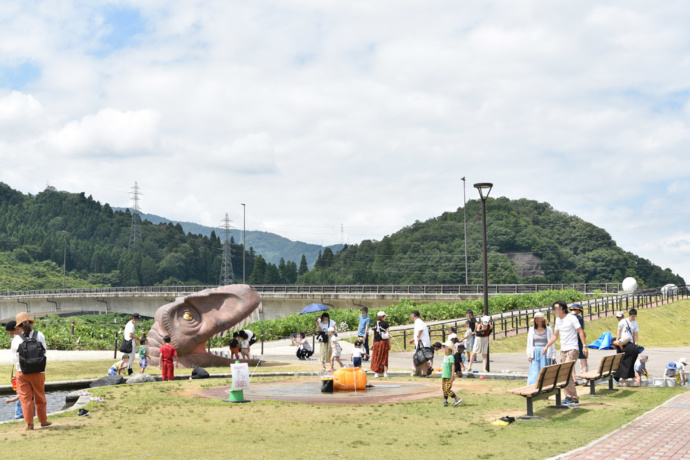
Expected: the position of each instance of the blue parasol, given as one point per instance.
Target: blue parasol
(313, 308)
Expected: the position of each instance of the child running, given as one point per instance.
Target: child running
(143, 356)
(168, 356)
(448, 376)
(337, 350)
(357, 354)
(119, 366)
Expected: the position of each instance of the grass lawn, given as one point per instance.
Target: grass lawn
(164, 420)
(665, 326)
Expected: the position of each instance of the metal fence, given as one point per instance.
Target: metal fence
(519, 321)
(414, 289)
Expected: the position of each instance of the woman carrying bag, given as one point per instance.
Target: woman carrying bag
(381, 347)
(538, 336)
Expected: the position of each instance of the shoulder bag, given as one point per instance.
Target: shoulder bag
(382, 332)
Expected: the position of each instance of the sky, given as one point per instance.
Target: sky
(343, 121)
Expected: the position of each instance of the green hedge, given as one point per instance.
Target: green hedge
(399, 313)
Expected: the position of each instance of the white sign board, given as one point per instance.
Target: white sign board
(240, 376)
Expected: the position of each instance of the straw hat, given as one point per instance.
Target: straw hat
(23, 316)
(540, 314)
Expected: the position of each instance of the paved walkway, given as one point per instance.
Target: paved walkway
(663, 433)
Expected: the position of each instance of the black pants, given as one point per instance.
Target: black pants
(304, 354)
(365, 340)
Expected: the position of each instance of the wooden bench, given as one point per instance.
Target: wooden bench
(607, 368)
(550, 381)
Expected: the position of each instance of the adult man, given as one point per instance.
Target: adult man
(481, 342)
(568, 329)
(628, 327)
(421, 338)
(577, 311)
(31, 386)
(363, 331)
(131, 335)
(472, 321)
(10, 329)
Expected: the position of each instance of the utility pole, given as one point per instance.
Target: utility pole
(64, 260)
(464, 211)
(135, 229)
(244, 243)
(226, 275)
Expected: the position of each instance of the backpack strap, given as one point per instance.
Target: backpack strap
(23, 337)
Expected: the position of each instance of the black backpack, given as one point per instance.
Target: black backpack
(32, 355)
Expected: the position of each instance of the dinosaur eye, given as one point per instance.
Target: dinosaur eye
(188, 316)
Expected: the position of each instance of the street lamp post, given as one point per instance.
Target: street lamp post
(244, 242)
(484, 189)
(464, 211)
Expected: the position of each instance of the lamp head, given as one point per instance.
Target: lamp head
(484, 189)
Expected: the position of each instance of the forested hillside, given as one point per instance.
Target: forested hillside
(528, 241)
(36, 232)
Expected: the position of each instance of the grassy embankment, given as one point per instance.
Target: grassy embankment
(171, 423)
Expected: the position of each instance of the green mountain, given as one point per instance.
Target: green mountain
(528, 242)
(270, 246)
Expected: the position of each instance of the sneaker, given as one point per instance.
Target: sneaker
(457, 401)
(568, 402)
(385, 375)
(83, 413)
(574, 403)
(376, 375)
(445, 404)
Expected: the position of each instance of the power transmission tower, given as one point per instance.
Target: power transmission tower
(342, 234)
(135, 230)
(226, 275)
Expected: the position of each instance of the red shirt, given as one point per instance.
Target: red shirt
(167, 352)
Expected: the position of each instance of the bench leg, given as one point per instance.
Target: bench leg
(592, 391)
(558, 402)
(611, 384)
(530, 411)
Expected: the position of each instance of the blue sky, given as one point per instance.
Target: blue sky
(360, 114)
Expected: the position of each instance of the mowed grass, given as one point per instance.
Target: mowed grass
(660, 327)
(57, 371)
(166, 420)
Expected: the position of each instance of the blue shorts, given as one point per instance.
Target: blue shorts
(357, 362)
(112, 371)
(143, 362)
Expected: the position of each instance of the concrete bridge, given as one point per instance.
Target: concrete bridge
(278, 300)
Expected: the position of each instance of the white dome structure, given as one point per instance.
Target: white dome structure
(629, 285)
(669, 289)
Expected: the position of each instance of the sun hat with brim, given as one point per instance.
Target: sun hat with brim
(540, 314)
(452, 336)
(577, 307)
(671, 366)
(381, 313)
(683, 360)
(22, 317)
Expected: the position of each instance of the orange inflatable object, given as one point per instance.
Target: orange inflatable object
(349, 379)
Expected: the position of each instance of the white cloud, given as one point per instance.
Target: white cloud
(108, 132)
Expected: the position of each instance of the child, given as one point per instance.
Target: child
(143, 356)
(168, 355)
(119, 366)
(235, 346)
(357, 354)
(336, 349)
(641, 369)
(467, 339)
(459, 359)
(10, 329)
(304, 349)
(244, 344)
(448, 376)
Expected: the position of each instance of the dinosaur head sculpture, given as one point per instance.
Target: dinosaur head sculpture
(190, 321)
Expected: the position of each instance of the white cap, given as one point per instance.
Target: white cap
(620, 314)
(331, 329)
(381, 313)
(486, 319)
(452, 336)
(683, 360)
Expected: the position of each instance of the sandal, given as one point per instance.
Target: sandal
(29, 426)
(46, 424)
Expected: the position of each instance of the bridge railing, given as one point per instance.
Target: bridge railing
(418, 289)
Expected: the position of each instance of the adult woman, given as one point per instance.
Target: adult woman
(538, 336)
(324, 322)
(30, 386)
(627, 369)
(381, 347)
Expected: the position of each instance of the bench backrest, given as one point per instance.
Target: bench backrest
(617, 359)
(565, 373)
(556, 375)
(605, 365)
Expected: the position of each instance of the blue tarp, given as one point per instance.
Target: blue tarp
(603, 342)
(313, 308)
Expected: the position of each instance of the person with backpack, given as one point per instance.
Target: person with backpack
(29, 356)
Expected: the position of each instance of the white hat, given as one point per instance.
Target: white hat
(452, 336)
(331, 329)
(620, 314)
(486, 320)
(683, 360)
(381, 313)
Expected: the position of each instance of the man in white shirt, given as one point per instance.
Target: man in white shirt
(568, 329)
(421, 334)
(629, 327)
(131, 334)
